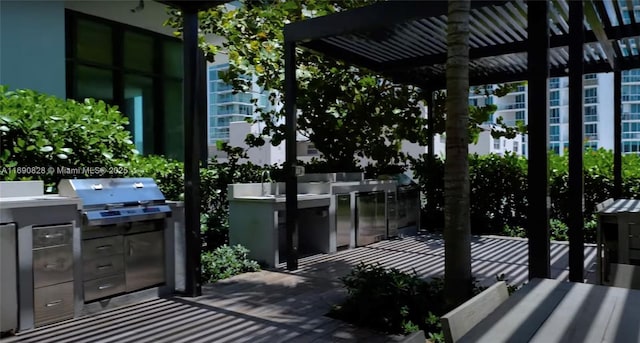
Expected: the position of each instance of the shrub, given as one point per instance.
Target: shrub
(38, 130)
(394, 302)
(498, 190)
(226, 261)
(391, 301)
(167, 173)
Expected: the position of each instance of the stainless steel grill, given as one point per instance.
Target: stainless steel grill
(113, 201)
(123, 245)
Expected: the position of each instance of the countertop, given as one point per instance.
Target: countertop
(281, 198)
(38, 201)
(279, 201)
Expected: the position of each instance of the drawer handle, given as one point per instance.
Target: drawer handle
(53, 235)
(105, 266)
(54, 303)
(104, 247)
(103, 287)
(51, 266)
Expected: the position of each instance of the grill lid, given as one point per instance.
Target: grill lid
(116, 192)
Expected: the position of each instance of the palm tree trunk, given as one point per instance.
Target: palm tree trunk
(457, 231)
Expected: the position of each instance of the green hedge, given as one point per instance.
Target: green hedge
(40, 134)
(498, 187)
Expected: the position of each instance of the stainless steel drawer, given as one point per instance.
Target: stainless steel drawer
(46, 236)
(104, 287)
(53, 303)
(52, 265)
(103, 266)
(90, 232)
(146, 226)
(101, 247)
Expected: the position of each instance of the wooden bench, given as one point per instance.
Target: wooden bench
(459, 321)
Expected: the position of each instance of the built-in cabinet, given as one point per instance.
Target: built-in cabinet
(618, 243)
(343, 220)
(121, 259)
(144, 260)
(52, 273)
(371, 219)
(8, 282)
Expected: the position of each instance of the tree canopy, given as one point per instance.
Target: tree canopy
(346, 111)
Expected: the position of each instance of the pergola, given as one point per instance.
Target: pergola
(405, 41)
(195, 133)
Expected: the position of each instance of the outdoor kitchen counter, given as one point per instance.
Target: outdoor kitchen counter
(38, 201)
(279, 201)
(257, 222)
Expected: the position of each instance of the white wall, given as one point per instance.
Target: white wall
(32, 46)
(266, 154)
(605, 111)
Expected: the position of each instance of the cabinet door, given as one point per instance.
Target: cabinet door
(144, 260)
(343, 220)
(366, 215)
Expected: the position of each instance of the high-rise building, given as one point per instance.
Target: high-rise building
(631, 111)
(227, 106)
(597, 110)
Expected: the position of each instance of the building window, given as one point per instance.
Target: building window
(520, 118)
(554, 83)
(554, 98)
(496, 144)
(590, 113)
(591, 95)
(590, 76)
(632, 75)
(245, 109)
(631, 130)
(631, 147)
(137, 70)
(633, 114)
(554, 133)
(591, 145)
(555, 147)
(591, 132)
(311, 150)
(554, 116)
(630, 92)
(515, 146)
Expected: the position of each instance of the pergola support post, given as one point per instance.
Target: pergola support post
(193, 122)
(617, 133)
(431, 208)
(576, 145)
(538, 191)
(202, 108)
(290, 90)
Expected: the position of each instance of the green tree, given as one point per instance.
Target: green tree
(347, 112)
(457, 229)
